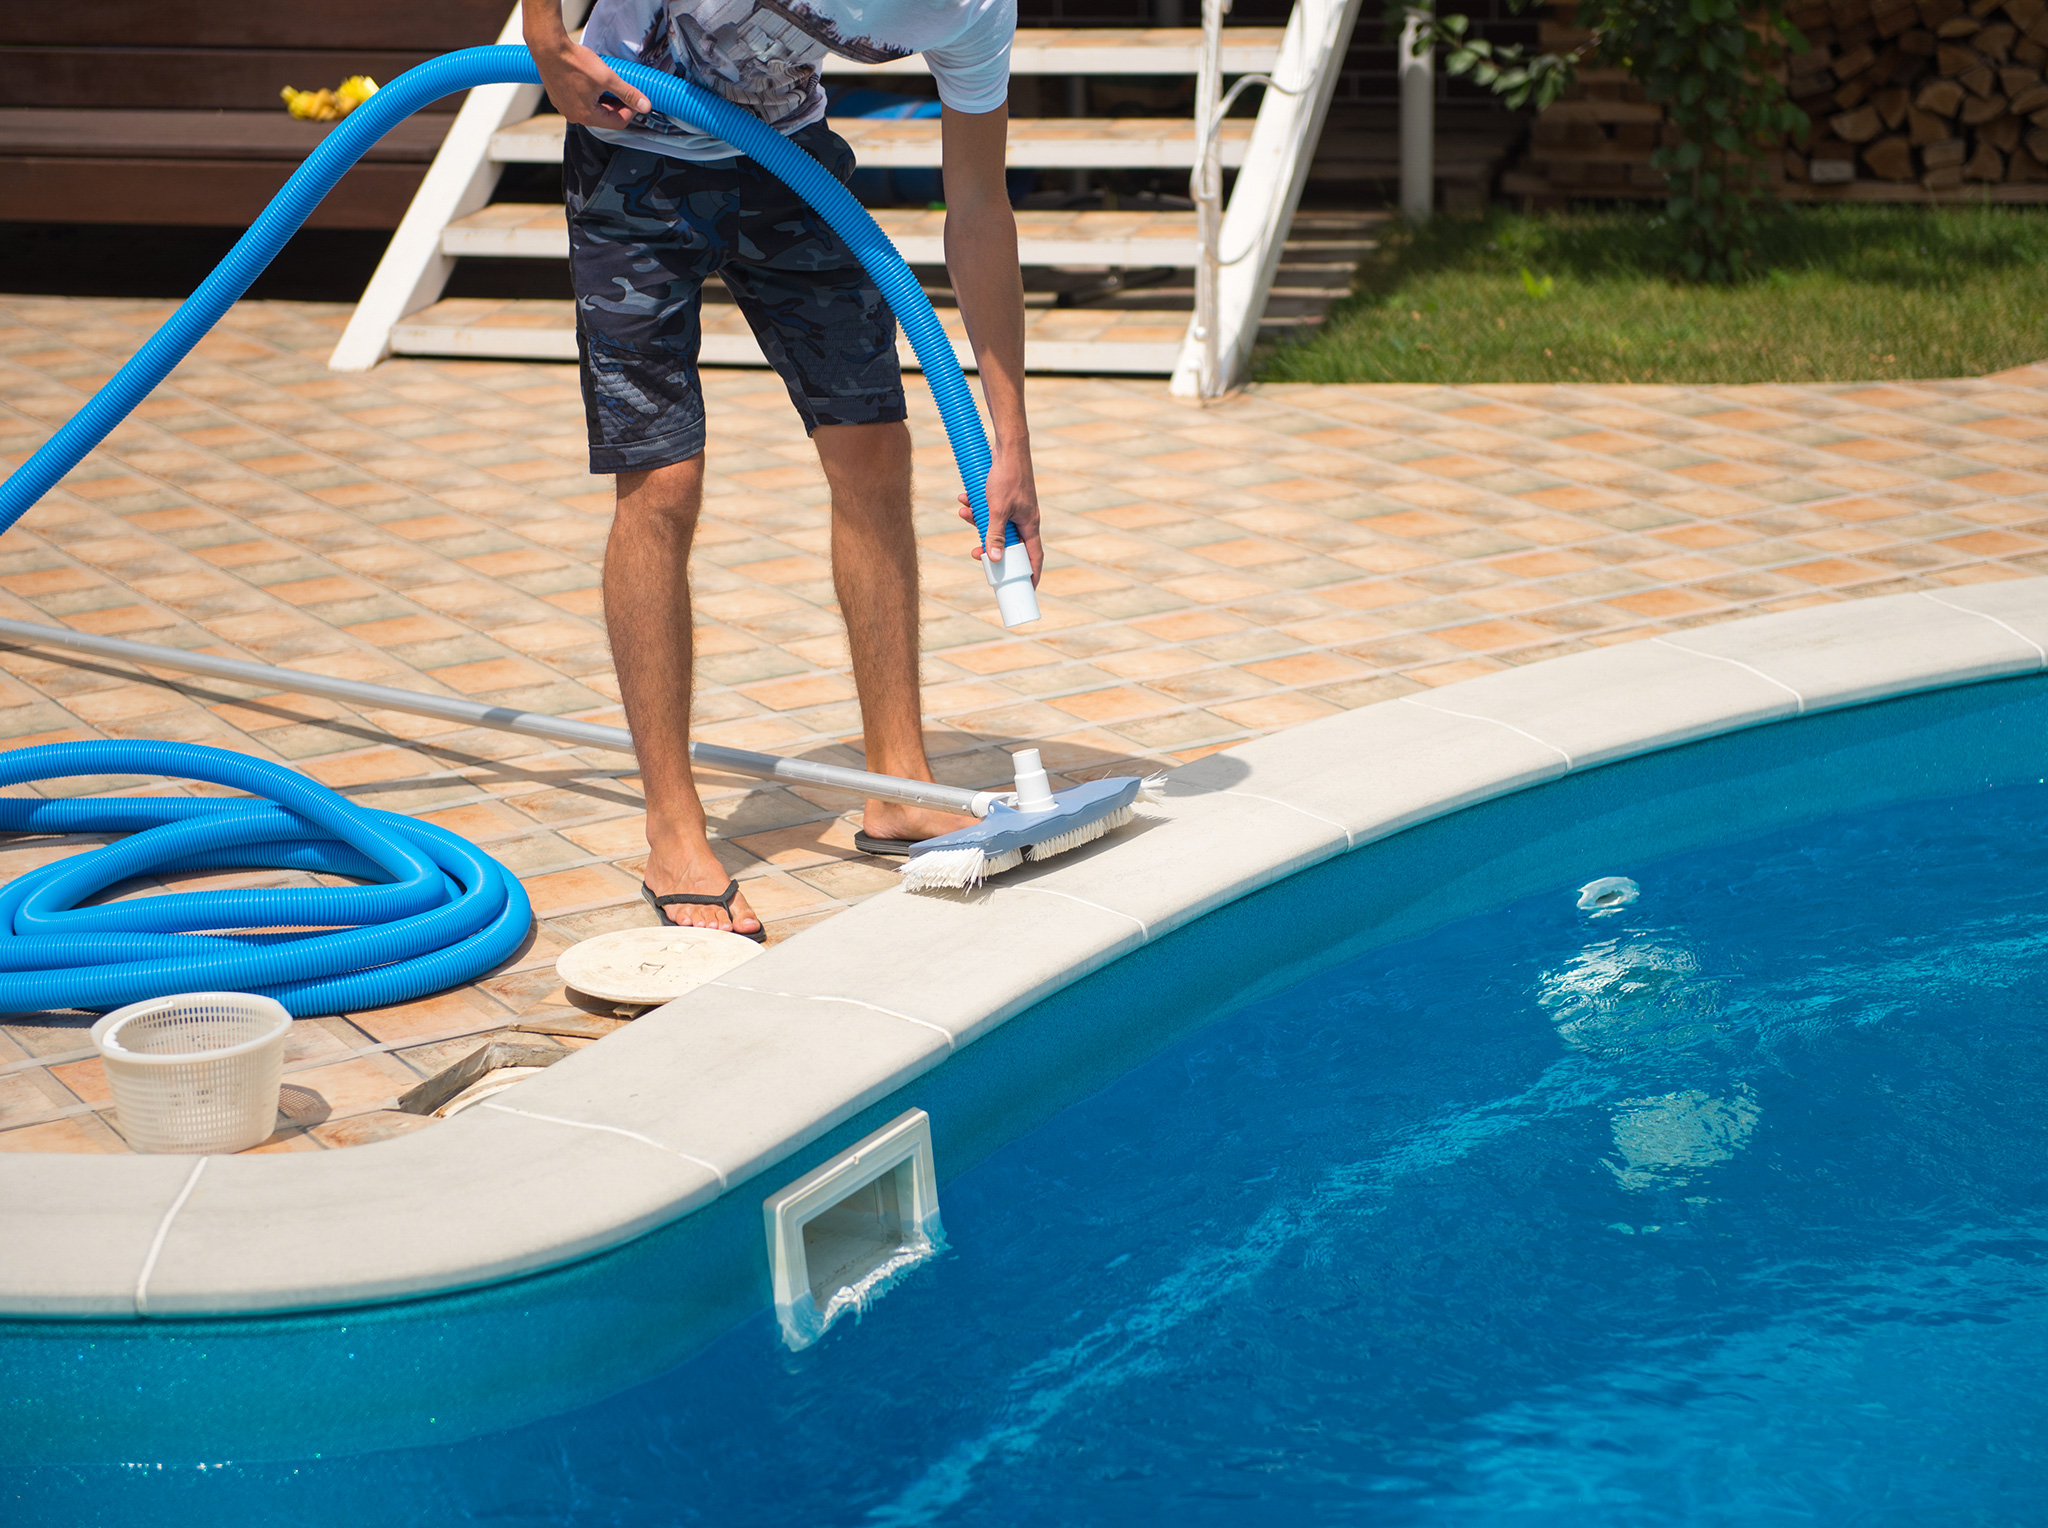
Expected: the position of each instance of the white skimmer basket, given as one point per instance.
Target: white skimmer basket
(198, 1072)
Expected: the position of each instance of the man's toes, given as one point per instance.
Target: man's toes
(688, 915)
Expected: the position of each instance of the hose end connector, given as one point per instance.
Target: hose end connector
(1034, 790)
(1011, 579)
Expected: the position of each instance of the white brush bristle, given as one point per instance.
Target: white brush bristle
(956, 869)
(1087, 833)
(996, 864)
(959, 869)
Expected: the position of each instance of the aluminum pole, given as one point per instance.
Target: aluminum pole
(558, 729)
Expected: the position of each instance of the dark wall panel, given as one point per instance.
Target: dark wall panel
(106, 133)
(427, 26)
(210, 79)
(200, 193)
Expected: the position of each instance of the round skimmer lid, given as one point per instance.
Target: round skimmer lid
(651, 965)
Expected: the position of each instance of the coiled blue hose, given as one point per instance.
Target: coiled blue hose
(506, 64)
(443, 914)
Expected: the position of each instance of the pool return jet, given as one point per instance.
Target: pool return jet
(1032, 822)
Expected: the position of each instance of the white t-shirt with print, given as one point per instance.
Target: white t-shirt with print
(764, 54)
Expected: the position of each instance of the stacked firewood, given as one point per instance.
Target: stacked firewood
(1597, 138)
(1927, 97)
(1941, 92)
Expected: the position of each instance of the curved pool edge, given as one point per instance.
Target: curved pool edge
(692, 1102)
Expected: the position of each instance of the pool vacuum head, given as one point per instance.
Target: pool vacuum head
(1039, 825)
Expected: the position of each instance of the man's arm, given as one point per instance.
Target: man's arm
(574, 76)
(981, 255)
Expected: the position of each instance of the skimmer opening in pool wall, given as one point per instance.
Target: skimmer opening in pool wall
(843, 1233)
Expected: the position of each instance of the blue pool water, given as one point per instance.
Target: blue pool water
(1729, 1206)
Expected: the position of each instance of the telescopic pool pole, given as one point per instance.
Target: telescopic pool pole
(557, 729)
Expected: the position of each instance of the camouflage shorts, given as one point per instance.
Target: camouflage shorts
(645, 230)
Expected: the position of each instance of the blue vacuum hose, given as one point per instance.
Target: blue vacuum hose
(442, 914)
(505, 64)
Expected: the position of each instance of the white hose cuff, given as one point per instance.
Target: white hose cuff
(1015, 598)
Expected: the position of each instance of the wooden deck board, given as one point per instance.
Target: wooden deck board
(93, 133)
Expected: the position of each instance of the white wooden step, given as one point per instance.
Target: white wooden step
(1136, 333)
(518, 230)
(1067, 143)
(1107, 50)
(1087, 339)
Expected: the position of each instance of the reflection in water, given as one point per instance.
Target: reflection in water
(1639, 989)
(1657, 1136)
(1641, 1002)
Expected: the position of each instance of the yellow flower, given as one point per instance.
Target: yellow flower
(354, 90)
(329, 105)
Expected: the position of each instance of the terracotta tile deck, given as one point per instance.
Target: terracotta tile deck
(1215, 574)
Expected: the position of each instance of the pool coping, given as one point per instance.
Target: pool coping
(705, 1095)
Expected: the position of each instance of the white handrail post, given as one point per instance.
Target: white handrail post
(1418, 122)
(413, 271)
(1207, 191)
(1269, 186)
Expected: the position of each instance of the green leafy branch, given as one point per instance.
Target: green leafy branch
(1713, 65)
(1510, 70)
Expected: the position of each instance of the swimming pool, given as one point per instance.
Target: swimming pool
(1725, 1206)
(265, 1317)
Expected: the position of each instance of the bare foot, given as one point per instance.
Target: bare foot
(695, 870)
(894, 819)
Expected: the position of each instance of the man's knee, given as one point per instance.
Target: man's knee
(865, 457)
(672, 494)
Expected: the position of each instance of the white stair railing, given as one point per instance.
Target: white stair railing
(1268, 189)
(1241, 247)
(461, 179)
(1205, 188)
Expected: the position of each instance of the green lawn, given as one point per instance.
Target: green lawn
(1847, 293)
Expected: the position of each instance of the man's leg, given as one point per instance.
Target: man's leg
(874, 570)
(825, 328)
(647, 610)
(638, 251)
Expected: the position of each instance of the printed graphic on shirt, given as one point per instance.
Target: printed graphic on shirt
(862, 50)
(755, 53)
(764, 55)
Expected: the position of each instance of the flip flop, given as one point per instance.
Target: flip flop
(892, 848)
(723, 902)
